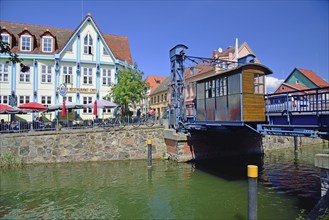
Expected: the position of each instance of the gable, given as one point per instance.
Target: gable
(118, 45)
(296, 77)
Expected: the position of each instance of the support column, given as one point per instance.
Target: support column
(13, 78)
(322, 161)
(177, 146)
(35, 80)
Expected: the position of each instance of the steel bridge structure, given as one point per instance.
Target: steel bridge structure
(299, 113)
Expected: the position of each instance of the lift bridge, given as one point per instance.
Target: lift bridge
(232, 99)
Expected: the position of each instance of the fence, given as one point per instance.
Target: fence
(25, 126)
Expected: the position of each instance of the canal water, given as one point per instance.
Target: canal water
(212, 189)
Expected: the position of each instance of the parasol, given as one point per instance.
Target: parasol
(34, 106)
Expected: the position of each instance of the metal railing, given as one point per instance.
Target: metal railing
(27, 126)
(310, 100)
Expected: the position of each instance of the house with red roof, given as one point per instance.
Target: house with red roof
(301, 79)
(84, 61)
(153, 82)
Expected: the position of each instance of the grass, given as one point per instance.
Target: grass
(9, 160)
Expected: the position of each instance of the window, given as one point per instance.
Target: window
(24, 99)
(25, 43)
(4, 99)
(222, 86)
(45, 74)
(259, 82)
(87, 75)
(165, 97)
(46, 100)
(5, 38)
(67, 74)
(188, 91)
(87, 100)
(47, 44)
(88, 44)
(70, 48)
(105, 52)
(68, 98)
(210, 88)
(106, 77)
(106, 110)
(25, 76)
(3, 72)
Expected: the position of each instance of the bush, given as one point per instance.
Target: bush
(9, 160)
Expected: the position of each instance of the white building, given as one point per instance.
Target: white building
(84, 60)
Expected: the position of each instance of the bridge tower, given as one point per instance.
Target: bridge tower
(177, 107)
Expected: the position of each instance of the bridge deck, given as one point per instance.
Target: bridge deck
(300, 113)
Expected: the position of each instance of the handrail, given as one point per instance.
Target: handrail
(309, 100)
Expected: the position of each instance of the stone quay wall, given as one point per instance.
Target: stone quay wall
(99, 144)
(273, 142)
(77, 145)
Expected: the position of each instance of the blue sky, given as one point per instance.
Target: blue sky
(282, 34)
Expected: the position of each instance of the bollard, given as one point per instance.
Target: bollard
(252, 192)
(149, 152)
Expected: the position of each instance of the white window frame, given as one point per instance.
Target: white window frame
(88, 43)
(4, 72)
(25, 77)
(106, 110)
(106, 77)
(45, 44)
(46, 73)
(4, 99)
(46, 100)
(30, 42)
(24, 99)
(67, 72)
(87, 100)
(259, 83)
(105, 52)
(87, 75)
(8, 38)
(70, 48)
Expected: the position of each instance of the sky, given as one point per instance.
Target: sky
(282, 34)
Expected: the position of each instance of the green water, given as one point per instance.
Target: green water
(216, 189)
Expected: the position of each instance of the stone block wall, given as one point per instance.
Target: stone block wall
(84, 144)
(273, 142)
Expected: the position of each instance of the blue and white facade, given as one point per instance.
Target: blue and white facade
(84, 60)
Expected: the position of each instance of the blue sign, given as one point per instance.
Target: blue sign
(62, 89)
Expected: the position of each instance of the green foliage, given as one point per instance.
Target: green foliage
(324, 214)
(9, 160)
(13, 57)
(130, 88)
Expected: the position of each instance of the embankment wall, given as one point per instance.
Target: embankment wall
(131, 143)
(84, 144)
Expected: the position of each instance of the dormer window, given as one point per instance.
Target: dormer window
(26, 41)
(88, 44)
(5, 38)
(47, 44)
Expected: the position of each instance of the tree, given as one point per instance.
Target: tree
(13, 57)
(130, 88)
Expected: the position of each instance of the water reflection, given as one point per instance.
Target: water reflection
(129, 190)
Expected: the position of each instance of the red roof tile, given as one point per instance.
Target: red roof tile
(154, 81)
(313, 77)
(118, 44)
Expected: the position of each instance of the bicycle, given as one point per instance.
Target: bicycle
(148, 121)
(117, 122)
